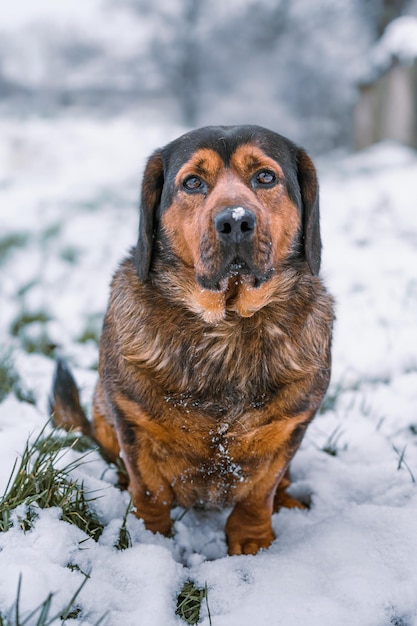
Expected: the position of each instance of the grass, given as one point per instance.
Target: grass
(402, 462)
(331, 446)
(189, 602)
(30, 329)
(336, 390)
(104, 197)
(37, 483)
(8, 243)
(92, 329)
(42, 612)
(25, 318)
(10, 380)
(330, 399)
(70, 254)
(124, 540)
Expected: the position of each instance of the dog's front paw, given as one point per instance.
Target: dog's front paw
(250, 545)
(244, 538)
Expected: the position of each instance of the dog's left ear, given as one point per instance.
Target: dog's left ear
(153, 182)
(307, 179)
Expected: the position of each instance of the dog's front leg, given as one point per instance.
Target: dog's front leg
(249, 528)
(141, 440)
(271, 448)
(152, 496)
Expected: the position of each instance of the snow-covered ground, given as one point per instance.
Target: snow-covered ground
(68, 194)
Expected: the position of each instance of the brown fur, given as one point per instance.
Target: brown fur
(210, 369)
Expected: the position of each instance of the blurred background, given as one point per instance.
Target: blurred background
(329, 74)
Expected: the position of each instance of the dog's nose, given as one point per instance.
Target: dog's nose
(235, 224)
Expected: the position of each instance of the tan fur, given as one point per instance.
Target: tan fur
(190, 219)
(206, 392)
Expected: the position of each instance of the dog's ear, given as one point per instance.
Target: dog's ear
(307, 179)
(153, 182)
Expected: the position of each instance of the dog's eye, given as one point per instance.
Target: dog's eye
(265, 177)
(193, 183)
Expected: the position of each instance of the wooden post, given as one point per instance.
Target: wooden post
(387, 108)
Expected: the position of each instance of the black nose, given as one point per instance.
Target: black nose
(235, 224)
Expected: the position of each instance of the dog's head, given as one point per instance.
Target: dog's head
(233, 203)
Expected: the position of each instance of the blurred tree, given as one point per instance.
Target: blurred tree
(187, 87)
(177, 50)
(390, 9)
(292, 65)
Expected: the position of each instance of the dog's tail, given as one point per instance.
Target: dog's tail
(64, 402)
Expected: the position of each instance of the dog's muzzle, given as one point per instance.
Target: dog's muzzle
(235, 227)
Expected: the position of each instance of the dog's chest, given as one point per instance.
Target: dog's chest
(212, 472)
(225, 369)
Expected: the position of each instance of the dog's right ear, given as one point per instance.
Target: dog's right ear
(153, 182)
(307, 178)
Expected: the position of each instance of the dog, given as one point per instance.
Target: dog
(215, 352)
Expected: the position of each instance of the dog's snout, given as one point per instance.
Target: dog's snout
(235, 224)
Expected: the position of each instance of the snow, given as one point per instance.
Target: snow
(237, 213)
(49, 48)
(27, 12)
(71, 185)
(399, 41)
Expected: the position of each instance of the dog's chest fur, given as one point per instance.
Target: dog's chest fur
(236, 365)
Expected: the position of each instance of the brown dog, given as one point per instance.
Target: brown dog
(215, 351)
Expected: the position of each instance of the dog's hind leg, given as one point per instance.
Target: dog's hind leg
(282, 498)
(103, 427)
(67, 413)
